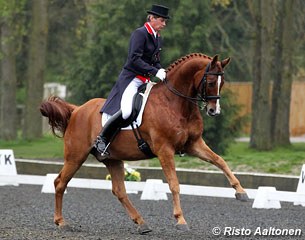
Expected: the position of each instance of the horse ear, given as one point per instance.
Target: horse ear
(214, 61)
(225, 62)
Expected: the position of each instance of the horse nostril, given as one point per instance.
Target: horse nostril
(211, 110)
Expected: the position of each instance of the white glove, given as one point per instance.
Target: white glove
(161, 74)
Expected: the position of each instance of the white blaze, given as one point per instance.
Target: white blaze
(217, 101)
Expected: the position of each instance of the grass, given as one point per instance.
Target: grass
(240, 158)
(286, 160)
(48, 147)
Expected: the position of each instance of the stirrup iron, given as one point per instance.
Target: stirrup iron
(105, 153)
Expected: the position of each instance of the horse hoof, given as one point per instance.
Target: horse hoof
(143, 229)
(65, 227)
(182, 227)
(242, 197)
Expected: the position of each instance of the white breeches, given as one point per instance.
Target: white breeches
(126, 101)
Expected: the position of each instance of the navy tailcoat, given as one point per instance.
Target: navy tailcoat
(143, 59)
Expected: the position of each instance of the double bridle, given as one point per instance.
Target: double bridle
(202, 97)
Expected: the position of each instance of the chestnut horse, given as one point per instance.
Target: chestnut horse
(171, 123)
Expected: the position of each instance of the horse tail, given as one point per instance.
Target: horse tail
(59, 112)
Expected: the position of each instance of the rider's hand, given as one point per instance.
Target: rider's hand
(161, 74)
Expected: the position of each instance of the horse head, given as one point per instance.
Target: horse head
(211, 84)
(198, 77)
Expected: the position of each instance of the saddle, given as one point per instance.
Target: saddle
(135, 119)
(136, 108)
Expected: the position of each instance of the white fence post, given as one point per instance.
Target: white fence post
(262, 201)
(8, 170)
(301, 186)
(48, 185)
(150, 191)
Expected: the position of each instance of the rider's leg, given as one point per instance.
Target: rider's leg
(110, 129)
(127, 97)
(115, 122)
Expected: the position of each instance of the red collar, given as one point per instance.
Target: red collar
(150, 30)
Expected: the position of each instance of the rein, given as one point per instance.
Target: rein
(202, 97)
(176, 92)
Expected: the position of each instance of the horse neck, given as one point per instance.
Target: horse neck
(184, 78)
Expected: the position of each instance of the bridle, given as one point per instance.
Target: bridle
(203, 84)
(202, 88)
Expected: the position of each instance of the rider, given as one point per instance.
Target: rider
(143, 61)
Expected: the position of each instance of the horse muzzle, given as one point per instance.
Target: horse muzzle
(213, 111)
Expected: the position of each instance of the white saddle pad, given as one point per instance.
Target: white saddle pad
(138, 121)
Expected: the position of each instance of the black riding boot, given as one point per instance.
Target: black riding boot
(108, 133)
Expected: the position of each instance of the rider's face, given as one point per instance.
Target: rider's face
(158, 23)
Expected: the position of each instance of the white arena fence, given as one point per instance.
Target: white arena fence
(152, 189)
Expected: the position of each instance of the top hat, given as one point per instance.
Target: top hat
(159, 10)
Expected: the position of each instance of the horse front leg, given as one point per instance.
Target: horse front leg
(201, 150)
(117, 172)
(166, 158)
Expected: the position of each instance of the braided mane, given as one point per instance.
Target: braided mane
(185, 58)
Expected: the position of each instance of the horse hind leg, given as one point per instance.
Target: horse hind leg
(117, 172)
(201, 150)
(60, 184)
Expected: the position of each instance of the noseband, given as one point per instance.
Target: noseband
(202, 88)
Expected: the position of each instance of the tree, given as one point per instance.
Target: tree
(11, 30)
(63, 17)
(103, 35)
(260, 128)
(88, 40)
(8, 86)
(274, 60)
(284, 59)
(35, 69)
